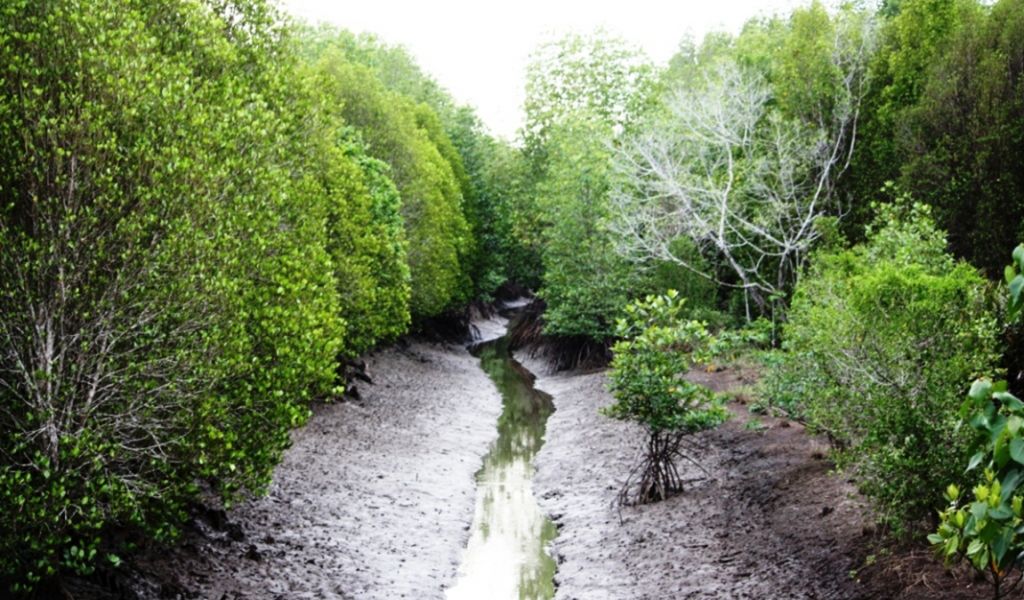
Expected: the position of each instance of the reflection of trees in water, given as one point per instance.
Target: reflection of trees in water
(526, 410)
(507, 513)
(537, 573)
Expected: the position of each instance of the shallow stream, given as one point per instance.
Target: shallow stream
(506, 557)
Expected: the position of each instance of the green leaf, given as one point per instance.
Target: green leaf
(1000, 513)
(980, 421)
(1009, 484)
(979, 510)
(952, 545)
(1017, 450)
(1001, 543)
(980, 390)
(1015, 289)
(1008, 400)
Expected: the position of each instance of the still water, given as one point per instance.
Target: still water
(506, 557)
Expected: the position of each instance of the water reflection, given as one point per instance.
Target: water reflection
(506, 556)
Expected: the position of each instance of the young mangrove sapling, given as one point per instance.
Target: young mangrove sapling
(656, 348)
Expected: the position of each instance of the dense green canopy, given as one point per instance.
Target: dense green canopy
(207, 210)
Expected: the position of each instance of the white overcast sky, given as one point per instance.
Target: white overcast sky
(478, 49)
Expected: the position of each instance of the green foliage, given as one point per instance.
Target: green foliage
(965, 134)
(189, 237)
(911, 42)
(656, 349)
(730, 343)
(785, 385)
(495, 175)
(365, 230)
(585, 282)
(987, 530)
(366, 239)
(597, 75)
(488, 171)
(879, 338)
(582, 92)
(406, 135)
(1015, 280)
(701, 293)
(943, 118)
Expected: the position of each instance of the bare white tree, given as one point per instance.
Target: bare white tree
(743, 183)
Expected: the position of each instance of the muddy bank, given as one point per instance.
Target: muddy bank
(770, 521)
(373, 500)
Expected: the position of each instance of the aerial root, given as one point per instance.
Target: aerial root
(656, 476)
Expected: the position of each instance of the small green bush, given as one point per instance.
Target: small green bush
(880, 339)
(986, 530)
(656, 349)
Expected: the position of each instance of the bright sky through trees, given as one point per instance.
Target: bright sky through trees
(479, 49)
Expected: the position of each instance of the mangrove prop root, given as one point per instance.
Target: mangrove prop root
(656, 476)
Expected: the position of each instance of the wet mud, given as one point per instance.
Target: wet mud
(373, 500)
(771, 520)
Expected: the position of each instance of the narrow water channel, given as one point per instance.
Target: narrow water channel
(506, 557)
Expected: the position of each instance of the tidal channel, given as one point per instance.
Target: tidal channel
(506, 557)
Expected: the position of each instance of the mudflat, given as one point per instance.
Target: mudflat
(373, 500)
(769, 519)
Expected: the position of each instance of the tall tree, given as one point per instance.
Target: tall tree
(911, 42)
(744, 166)
(406, 136)
(583, 92)
(167, 302)
(965, 136)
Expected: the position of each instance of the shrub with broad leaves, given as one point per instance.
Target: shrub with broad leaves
(986, 528)
(656, 350)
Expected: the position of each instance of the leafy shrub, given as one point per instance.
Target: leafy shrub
(987, 530)
(656, 349)
(880, 338)
(730, 343)
(167, 303)
(786, 384)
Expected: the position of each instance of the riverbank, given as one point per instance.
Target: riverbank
(376, 496)
(770, 521)
(373, 500)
